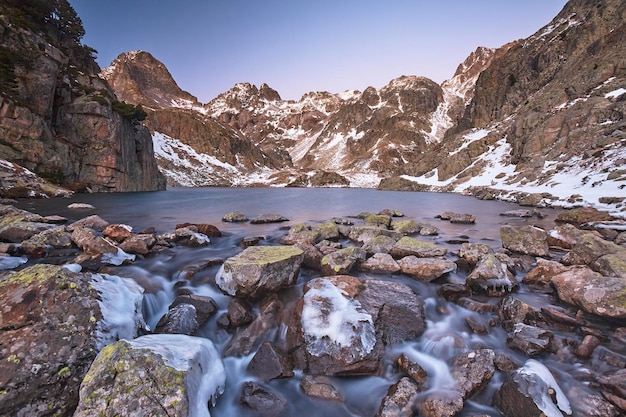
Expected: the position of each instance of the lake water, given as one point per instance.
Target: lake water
(445, 321)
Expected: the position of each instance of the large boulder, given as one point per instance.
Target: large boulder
(53, 323)
(259, 270)
(581, 215)
(342, 261)
(425, 269)
(528, 240)
(491, 276)
(408, 246)
(532, 391)
(592, 292)
(156, 375)
(588, 248)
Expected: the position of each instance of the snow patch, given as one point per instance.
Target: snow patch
(120, 305)
(615, 93)
(206, 377)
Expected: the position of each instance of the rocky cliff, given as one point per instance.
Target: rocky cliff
(60, 120)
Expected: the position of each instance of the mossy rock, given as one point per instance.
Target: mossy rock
(407, 246)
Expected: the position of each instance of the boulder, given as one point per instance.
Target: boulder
(205, 306)
(611, 265)
(530, 339)
(327, 231)
(425, 269)
(262, 400)
(579, 216)
(532, 391)
(491, 276)
(179, 319)
(342, 261)
(187, 236)
(117, 232)
(269, 363)
(592, 292)
(319, 386)
(407, 246)
(301, 233)
(441, 404)
(379, 244)
(53, 323)
(615, 387)
(268, 218)
(46, 242)
(380, 262)
(544, 271)
(16, 230)
(248, 338)
(239, 312)
(565, 236)
(473, 252)
(400, 399)
(93, 222)
(472, 371)
(259, 270)
(206, 229)
(406, 227)
(139, 244)
(234, 217)
(378, 220)
(588, 248)
(153, 375)
(412, 369)
(366, 233)
(462, 218)
(528, 240)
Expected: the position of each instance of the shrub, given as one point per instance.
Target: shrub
(134, 114)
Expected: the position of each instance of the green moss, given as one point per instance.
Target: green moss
(64, 372)
(36, 273)
(13, 359)
(263, 255)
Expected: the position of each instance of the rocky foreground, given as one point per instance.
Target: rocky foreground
(74, 341)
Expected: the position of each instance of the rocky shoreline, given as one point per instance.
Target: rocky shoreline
(64, 308)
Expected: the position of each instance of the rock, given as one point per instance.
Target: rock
(327, 231)
(579, 216)
(18, 231)
(259, 270)
(408, 246)
(96, 247)
(391, 213)
(399, 400)
(611, 265)
(406, 227)
(179, 319)
(566, 235)
(523, 213)
(319, 386)
(268, 218)
(301, 233)
(239, 312)
(366, 233)
(530, 339)
(93, 222)
(586, 403)
(428, 230)
(491, 276)
(206, 229)
(262, 400)
(184, 374)
(53, 324)
(532, 391)
(117, 232)
(453, 291)
(587, 346)
(380, 262)
(472, 371)
(397, 312)
(528, 240)
(342, 261)
(187, 236)
(441, 404)
(378, 220)
(543, 272)
(513, 310)
(43, 242)
(425, 269)
(615, 385)
(80, 206)
(312, 255)
(248, 338)
(412, 369)
(234, 217)
(205, 306)
(458, 218)
(338, 334)
(588, 248)
(270, 363)
(474, 252)
(379, 244)
(590, 291)
(138, 244)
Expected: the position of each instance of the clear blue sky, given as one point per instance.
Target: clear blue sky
(297, 46)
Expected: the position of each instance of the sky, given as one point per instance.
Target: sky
(298, 46)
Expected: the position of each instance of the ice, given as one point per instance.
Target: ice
(117, 258)
(120, 305)
(330, 319)
(206, 377)
(540, 381)
(10, 262)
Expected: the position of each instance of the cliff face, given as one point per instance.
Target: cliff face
(57, 117)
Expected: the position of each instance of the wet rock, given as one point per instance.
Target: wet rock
(587, 346)
(18, 231)
(312, 255)
(413, 369)
(425, 269)
(344, 221)
(52, 325)
(379, 244)
(491, 276)
(442, 404)
(530, 339)
(391, 213)
(472, 371)
(476, 306)
(43, 242)
(396, 310)
(408, 246)
(453, 291)
(476, 326)
(428, 230)
(139, 244)
(187, 236)
(234, 217)
(205, 306)
(342, 261)
(268, 218)
(327, 231)
(249, 241)
(474, 252)
(406, 227)
(399, 400)
(262, 400)
(513, 310)
(366, 233)
(319, 386)
(93, 222)
(378, 220)
(259, 270)
(505, 363)
(543, 272)
(380, 262)
(588, 404)
(532, 391)
(559, 318)
(462, 218)
(590, 291)
(338, 334)
(206, 229)
(615, 386)
(582, 215)
(179, 319)
(152, 375)
(248, 338)
(526, 239)
(326, 246)
(269, 363)
(117, 232)
(523, 213)
(239, 312)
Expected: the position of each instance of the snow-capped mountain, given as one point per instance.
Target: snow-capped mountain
(543, 114)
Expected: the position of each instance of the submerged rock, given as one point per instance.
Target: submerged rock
(259, 270)
(153, 374)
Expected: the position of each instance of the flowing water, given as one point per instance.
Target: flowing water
(446, 333)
